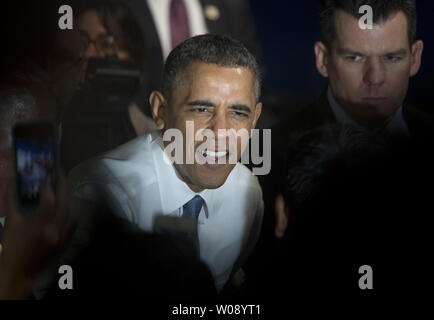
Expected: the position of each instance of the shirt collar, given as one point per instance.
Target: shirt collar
(174, 192)
(341, 116)
(397, 126)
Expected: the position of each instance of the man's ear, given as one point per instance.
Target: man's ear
(282, 212)
(321, 57)
(158, 107)
(416, 57)
(258, 110)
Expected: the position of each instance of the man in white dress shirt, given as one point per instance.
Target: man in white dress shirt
(214, 82)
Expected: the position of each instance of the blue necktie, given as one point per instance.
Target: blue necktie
(191, 210)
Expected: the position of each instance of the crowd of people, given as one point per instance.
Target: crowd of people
(346, 186)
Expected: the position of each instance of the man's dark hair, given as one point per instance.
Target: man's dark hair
(316, 159)
(210, 48)
(352, 194)
(382, 10)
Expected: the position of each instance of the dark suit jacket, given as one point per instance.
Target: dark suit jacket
(235, 20)
(317, 114)
(302, 120)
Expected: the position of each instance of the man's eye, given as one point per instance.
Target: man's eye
(393, 58)
(200, 110)
(239, 114)
(353, 58)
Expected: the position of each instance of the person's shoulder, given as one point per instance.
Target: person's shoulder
(133, 158)
(311, 114)
(131, 151)
(420, 122)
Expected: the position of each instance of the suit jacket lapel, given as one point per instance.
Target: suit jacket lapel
(323, 113)
(154, 53)
(419, 123)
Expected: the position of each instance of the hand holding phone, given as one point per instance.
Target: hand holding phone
(30, 242)
(36, 160)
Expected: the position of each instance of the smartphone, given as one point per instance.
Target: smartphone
(36, 154)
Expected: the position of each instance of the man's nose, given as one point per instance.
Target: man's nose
(374, 73)
(219, 125)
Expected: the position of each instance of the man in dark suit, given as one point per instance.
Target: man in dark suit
(368, 71)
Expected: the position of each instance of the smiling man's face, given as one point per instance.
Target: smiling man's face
(369, 70)
(214, 98)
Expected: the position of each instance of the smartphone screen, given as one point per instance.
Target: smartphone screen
(36, 160)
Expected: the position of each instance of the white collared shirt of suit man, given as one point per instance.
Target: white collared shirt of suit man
(138, 185)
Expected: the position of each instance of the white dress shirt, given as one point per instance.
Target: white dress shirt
(138, 184)
(160, 10)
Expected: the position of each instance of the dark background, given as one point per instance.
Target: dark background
(288, 31)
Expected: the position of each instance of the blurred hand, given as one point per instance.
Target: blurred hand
(30, 242)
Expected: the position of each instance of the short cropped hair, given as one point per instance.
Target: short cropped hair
(382, 10)
(212, 49)
(320, 158)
